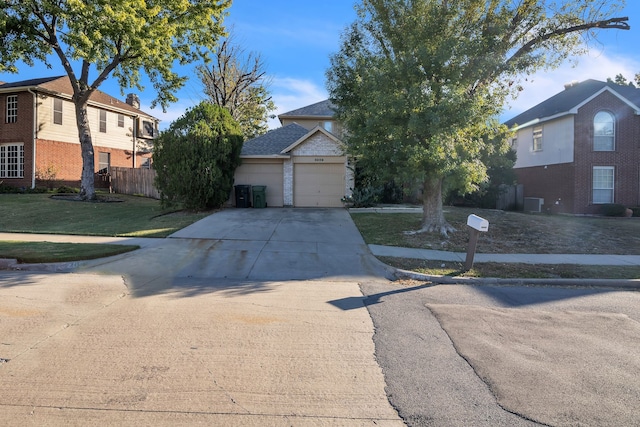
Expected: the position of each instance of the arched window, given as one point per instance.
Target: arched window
(604, 132)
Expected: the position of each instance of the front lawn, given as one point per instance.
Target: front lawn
(130, 216)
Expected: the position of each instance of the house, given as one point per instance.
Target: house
(302, 164)
(39, 135)
(580, 149)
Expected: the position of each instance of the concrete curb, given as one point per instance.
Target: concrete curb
(632, 284)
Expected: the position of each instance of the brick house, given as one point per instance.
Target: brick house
(580, 148)
(39, 135)
(303, 163)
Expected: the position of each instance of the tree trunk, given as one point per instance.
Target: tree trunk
(87, 188)
(432, 214)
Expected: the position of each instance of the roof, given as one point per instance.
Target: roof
(573, 97)
(274, 142)
(62, 85)
(319, 109)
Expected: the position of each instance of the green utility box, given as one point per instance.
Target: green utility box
(259, 196)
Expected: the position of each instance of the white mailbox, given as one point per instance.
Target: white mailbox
(477, 223)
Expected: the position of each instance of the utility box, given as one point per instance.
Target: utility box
(243, 196)
(259, 196)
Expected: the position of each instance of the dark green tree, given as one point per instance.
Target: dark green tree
(418, 83)
(196, 158)
(94, 39)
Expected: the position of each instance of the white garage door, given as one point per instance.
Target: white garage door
(269, 174)
(318, 185)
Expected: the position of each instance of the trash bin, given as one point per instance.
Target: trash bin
(259, 196)
(243, 196)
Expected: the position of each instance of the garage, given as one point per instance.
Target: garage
(300, 167)
(319, 184)
(256, 172)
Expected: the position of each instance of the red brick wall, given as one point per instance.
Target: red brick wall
(625, 158)
(552, 183)
(66, 159)
(20, 131)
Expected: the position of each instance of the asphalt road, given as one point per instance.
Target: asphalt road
(508, 356)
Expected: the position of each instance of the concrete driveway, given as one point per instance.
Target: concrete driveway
(230, 322)
(252, 245)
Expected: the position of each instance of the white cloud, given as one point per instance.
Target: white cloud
(543, 85)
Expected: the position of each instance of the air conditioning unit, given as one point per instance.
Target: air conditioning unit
(533, 204)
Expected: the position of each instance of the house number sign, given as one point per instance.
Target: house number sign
(320, 159)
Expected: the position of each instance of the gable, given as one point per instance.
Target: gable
(571, 99)
(318, 142)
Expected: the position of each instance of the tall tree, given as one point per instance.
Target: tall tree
(418, 83)
(93, 39)
(622, 80)
(237, 81)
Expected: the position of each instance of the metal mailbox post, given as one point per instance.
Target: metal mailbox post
(477, 225)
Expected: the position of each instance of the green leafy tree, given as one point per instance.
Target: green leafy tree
(94, 39)
(195, 159)
(238, 81)
(417, 83)
(622, 80)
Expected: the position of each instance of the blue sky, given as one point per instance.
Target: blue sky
(296, 38)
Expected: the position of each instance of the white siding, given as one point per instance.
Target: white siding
(115, 137)
(557, 144)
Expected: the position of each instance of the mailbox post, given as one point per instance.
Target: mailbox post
(477, 225)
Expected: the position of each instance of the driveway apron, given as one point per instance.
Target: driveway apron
(236, 320)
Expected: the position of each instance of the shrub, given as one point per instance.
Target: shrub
(196, 158)
(613, 209)
(636, 211)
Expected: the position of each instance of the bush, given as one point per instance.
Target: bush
(613, 209)
(196, 158)
(363, 197)
(636, 211)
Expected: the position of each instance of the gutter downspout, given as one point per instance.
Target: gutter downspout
(35, 137)
(136, 119)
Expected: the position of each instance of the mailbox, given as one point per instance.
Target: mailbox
(477, 223)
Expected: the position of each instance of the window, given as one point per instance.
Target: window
(12, 109)
(603, 184)
(328, 126)
(103, 121)
(104, 162)
(57, 111)
(147, 128)
(603, 132)
(514, 143)
(120, 120)
(537, 138)
(12, 160)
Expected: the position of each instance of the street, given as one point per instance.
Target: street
(507, 356)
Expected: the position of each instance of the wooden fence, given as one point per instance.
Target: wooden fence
(134, 181)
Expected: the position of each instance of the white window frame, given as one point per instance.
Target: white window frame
(104, 162)
(603, 186)
(602, 131)
(102, 119)
(120, 120)
(537, 139)
(57, 112)
(12, 160)
(11, 109)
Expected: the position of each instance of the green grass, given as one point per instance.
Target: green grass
(132, 217)
(510, 232)
(39, 252)
(515, 270)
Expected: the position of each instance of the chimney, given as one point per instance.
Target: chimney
(571, 84)
(133, 100)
